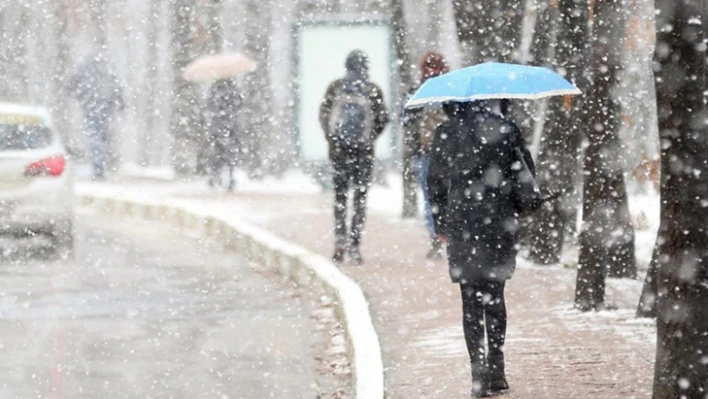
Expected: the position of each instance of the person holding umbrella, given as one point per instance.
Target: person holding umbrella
(480, 180)
(224, 103)
(223, 109)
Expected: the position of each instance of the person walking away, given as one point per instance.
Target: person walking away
(100, 95)
(420, 125)
(353, 115)
(224, 103)
(475, 168)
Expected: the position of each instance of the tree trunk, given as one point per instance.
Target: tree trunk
(152, 117)
(406, 83)
(435, 22)
(681, 368)
(211, 42)
(559, 153)
(13, 52)
(607, 236)
(258, 99)
(647, 301)
(184, 119)
(61, 73)
(489, 30)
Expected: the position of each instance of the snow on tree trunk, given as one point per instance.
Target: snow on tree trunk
(13, 52)
(184, 119)
(559, 42)
(61, 72)
(681, 369)
(435, 22)
(607, 235)
(148, 149)
(258, 100)
(489, 30)
(406, 83)
(647, 300)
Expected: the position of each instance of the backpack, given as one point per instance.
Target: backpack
(351, 121)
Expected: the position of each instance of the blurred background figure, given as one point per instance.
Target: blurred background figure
(224, 104)
(100, 95)
(421, 124)
(353, 115)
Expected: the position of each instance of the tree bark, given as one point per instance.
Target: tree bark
(406, 83)
(435, 18)
(13, 52)
(61, 73)
(559, 153)
(489, 30)
(647, 300)
(184, 119)
(607, 235)
(152, 117)
(681, 368)
(258, 99)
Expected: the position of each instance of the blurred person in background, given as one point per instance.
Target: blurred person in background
(353, 115)
(224, 104)
(100, 95)
(420, 125)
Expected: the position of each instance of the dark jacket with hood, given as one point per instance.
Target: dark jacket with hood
(420, 124)
(469, 184)
(357, 74)
(97, 89)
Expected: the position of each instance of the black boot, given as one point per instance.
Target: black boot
(338, 256)
(497, 378)
(480, 381)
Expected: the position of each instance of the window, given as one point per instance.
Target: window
(23, 137)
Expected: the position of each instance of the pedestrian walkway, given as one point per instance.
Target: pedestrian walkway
(552, 350)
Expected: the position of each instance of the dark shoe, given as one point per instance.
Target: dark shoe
(435, 252)
(497, 377)
(481, 389)
(499, 385)
(480, 381)
(338, 256)
(355, 256)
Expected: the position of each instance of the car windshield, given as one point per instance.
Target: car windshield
(23, 137)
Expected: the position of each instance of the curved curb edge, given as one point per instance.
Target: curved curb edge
(312, 271)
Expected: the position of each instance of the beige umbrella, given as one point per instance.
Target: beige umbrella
(209, 68)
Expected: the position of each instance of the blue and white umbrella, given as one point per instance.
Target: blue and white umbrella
(492, 81)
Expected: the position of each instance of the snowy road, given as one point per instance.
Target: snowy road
(145, 312)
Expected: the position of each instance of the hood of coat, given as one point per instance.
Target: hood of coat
(357, 65)
(432, 65)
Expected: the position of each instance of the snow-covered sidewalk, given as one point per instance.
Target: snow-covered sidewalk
(552, 350)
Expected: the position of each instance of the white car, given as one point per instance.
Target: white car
(36, 177)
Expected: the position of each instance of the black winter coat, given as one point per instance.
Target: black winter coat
(224, 113)
(469, 184)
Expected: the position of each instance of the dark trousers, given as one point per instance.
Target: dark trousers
(484, 309)
(99, 144)
(352, 170)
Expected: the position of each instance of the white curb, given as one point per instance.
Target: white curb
(306, 268)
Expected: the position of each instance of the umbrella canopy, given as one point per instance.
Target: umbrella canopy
(209, 68)
(492, 81)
